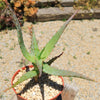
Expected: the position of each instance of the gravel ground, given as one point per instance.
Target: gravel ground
(80, 43)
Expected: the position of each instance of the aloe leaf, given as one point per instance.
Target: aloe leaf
(50, 45)
(26, 76)
(54, 71)
(26, 54)
(34, 45)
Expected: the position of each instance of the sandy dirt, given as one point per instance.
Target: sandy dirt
(80, 43)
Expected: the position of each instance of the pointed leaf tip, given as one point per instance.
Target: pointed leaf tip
(50, 45)
(54, 71)
(24, 77)
(34, 45)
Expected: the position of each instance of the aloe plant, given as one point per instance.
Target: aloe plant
(37, 57)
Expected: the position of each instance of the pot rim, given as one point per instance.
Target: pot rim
(31, 67)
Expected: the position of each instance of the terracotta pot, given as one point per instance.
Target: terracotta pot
(21, 98)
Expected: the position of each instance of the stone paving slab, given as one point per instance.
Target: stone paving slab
(62, 9)
(63, 3)
(54, 13)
